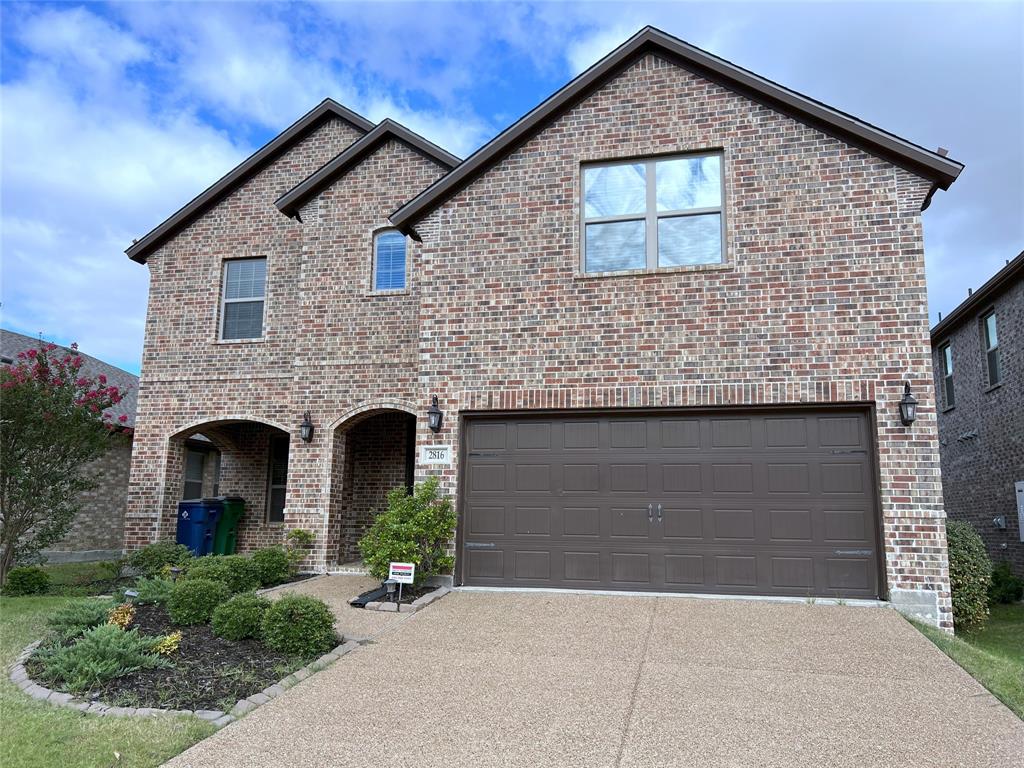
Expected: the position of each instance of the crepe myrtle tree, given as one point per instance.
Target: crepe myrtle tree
(53, 421)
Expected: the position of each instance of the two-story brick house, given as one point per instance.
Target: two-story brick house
(667, 316)
(979, 382)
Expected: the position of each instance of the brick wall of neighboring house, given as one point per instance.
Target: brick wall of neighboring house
(822, 299)
(98, 527)
(982, 436)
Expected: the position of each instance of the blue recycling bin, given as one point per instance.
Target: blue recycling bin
(197, 524)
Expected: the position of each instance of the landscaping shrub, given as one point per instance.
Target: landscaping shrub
(26, 580)
(299, 625)
(237, 573)
(298, 542)
(167, 645)
(75, 618)
(153, 591)
(415, 529)
(193, 601)
(152, 558)
(121, 616)
(101, 654)
(1006, 587)
(272, 565)
(970, 573)
(240, 617)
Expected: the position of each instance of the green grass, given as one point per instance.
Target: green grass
(68, 574)
(993, 656)
(35, 734)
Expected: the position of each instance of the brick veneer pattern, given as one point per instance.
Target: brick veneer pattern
(821, 299)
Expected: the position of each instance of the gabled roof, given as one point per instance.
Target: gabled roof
(12, 343)
(941, 170)
(1004, 278)
(141, 248)
(292, 200)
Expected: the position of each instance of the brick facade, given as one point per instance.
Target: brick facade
(982, 436)
(821, 299)
(98, 527)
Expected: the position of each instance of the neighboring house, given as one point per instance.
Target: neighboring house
(97, 532)
(667, 316)
(978, 351)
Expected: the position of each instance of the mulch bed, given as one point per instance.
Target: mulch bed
(410, 594)
(209, 672)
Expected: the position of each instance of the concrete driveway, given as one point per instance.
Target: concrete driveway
(541, 679)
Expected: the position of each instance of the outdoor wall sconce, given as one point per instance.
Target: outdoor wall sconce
(434, 415)
(908, 406)
(306, 428)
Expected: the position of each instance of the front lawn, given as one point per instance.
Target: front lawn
(994, 656)
(37, 734)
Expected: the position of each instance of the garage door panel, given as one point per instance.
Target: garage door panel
(766, 503)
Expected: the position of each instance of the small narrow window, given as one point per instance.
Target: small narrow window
(278, 483)
(195, 465)
(389, 261)
(245, 282)
(991, 348)
(653, 214)
(946, 363)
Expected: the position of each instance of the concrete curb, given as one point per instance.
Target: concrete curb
(290, 584)
(418, 604)
(19, 676)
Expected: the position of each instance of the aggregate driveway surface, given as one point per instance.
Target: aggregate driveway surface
(545, 679)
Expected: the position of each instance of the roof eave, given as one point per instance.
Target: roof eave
(1000, 280)
(292, 201)
(140, 249)
(942, 170)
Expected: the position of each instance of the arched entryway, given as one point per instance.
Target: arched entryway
(231, 457)
(373, 452)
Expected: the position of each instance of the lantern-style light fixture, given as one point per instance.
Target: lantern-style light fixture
(434, 415)
(306, 428)
(908, 406)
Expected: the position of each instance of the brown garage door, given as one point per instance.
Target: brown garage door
(768, 503)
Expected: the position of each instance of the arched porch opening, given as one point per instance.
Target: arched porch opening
(231, 457)
(373, 452)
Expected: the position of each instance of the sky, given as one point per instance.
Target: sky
(114, 115)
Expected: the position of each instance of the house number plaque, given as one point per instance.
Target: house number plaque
(435, 454)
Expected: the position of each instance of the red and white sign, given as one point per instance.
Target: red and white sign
(403, 573)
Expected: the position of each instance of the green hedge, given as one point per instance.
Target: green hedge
(240, 617)
(272, 565)
(26, 580)
(236, 572)
(193, 601)
(970, 573)
(152, 558)
(299, 625)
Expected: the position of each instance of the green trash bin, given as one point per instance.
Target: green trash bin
(226, 537)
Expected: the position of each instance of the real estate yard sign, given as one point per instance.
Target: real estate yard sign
(403, 573)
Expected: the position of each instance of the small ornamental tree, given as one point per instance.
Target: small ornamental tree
(52, 423)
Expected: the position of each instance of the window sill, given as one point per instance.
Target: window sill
(992, 388)
(391, 292)
(260, 340)
(948, 408)
(726, 267)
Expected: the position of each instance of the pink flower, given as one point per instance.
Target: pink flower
(32, 353)
(123, 418)
(102, 378)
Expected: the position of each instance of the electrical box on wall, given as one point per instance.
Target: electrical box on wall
(1020, 509)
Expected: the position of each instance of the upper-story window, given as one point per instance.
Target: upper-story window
(245, 284)
(946, 368)
(653, 214)
(389, 264)
(991, 339)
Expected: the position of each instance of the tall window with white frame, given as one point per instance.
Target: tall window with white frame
(389, 261)
(242, 301)
(653, 214)
(990, 337)
(946, 363)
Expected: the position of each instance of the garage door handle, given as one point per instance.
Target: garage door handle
(650, 513)
(659, 513)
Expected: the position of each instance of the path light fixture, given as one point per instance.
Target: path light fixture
(434, 415)
(306, 428)
(908, 406)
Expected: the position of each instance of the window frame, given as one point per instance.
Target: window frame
(186, 480)
(373, 262)
(651, 215)
(224, 301)
(989, 350)
(946, 368)
(276, 440)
